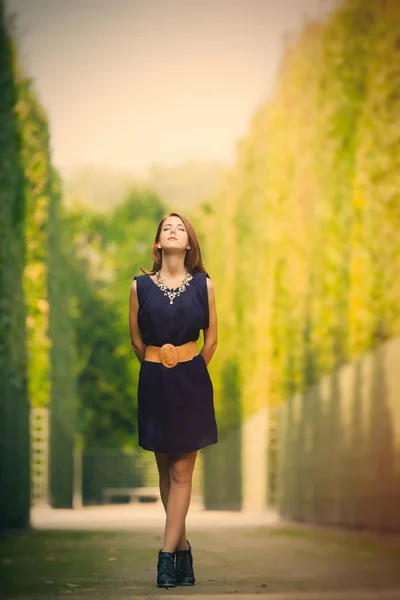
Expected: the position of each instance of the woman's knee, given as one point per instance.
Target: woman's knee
(181, 470)
(180, 476)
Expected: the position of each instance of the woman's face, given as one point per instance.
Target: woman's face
(173, 235)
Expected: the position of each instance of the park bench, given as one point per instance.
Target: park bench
(136, 494)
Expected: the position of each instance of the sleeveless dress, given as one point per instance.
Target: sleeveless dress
(175, 405)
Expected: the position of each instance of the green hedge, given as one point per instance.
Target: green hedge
(37, 359)
(306, 272)
(14, 407)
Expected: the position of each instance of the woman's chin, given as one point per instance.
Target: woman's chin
(173, 249)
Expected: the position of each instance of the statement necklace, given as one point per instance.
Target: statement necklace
(172, 293)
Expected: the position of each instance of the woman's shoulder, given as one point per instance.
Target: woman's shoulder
(140, 286)
(201, 275)
(203, 282)
(140, 281)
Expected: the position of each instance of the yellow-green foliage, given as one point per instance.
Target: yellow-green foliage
(36, 162)
(60, 279)
(303, 244)
(46, 286)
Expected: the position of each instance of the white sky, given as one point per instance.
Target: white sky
(129, 83)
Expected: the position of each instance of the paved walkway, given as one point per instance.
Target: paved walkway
(110, 552)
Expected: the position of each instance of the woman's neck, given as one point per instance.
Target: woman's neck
(173, 266)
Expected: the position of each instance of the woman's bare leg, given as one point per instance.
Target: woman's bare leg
(180, 488)
(162, 460)
(163, 464)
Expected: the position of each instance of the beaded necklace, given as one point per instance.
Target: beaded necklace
(173, 292)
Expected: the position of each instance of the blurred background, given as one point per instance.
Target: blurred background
(275, 127)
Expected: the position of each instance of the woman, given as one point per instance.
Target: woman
(168, 307)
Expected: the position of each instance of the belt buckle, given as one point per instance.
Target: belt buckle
(169, 355)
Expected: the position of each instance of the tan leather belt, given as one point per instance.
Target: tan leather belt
(169, 355)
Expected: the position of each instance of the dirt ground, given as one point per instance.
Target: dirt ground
(111, 552)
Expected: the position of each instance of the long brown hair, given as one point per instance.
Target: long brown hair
(193, 260)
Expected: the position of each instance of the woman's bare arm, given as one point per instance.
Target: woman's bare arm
(211, 333)
(136, 338)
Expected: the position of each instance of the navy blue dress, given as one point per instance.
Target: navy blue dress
(175, 406)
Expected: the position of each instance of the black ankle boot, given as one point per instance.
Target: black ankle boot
(184, 567)
(166, 570)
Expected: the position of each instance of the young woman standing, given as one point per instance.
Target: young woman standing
(168, 307)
